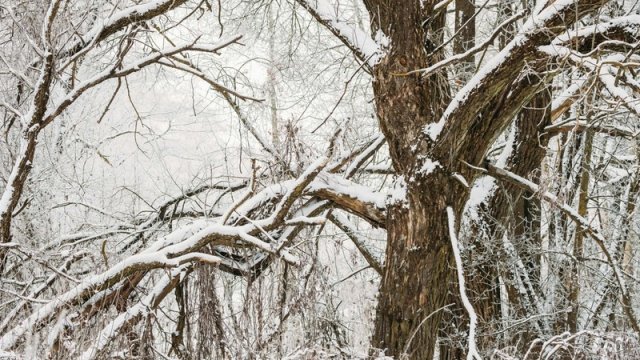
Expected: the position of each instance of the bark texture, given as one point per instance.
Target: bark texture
(415, 283)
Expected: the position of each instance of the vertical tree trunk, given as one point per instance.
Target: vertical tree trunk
(414, 286)
(465, 27)
(512, 210)
(271, 81)
(578, 242)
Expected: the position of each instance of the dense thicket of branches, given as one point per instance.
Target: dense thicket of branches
(301, 179)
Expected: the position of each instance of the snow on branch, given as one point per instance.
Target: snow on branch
(348, 195)
(473, 317)
(563, 102)
(582, 126)
(116, 22)
(129, 69)
(469, 53)
(179, 248)
(41, 114)
(366, 49)
(352, 197)
(623, 28)
(363, 156)
(489, 81)
(22, 304)
(627, 302)
(132, 314)
(605, 69)
(182, 247)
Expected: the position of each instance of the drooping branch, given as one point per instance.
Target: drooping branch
(148, 304)
(178, 248)
(357, 40)
(114, 73)
(343, 223)
(473, 317)
(352, 197)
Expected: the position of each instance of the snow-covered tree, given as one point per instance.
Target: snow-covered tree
(179, 178)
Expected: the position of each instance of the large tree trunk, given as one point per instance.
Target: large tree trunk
(415, 283)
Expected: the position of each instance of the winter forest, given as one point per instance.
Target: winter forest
(319, 179)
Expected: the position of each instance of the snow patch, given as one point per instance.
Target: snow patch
(482, 189)
(433, 130)
(461, 179)
(398, 192)
(429, 166)
(359, 39)
(382, 39)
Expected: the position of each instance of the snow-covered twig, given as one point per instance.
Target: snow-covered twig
(584, 224)
(359, 42)
(345, 225)
(473, 317)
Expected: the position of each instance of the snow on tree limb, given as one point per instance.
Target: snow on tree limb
(113, 73)
(473, 317)
(352, 197)
(457, 58)
(498, 72)
(612, 32)
(345, 225)
(182, 247)
(605, 70)
(133, 314)
(359, 42)
(50, 280)
(117, 21)
(40, 113)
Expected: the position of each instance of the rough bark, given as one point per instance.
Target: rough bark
(415, 283)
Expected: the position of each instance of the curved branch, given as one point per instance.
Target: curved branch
(354, 198)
